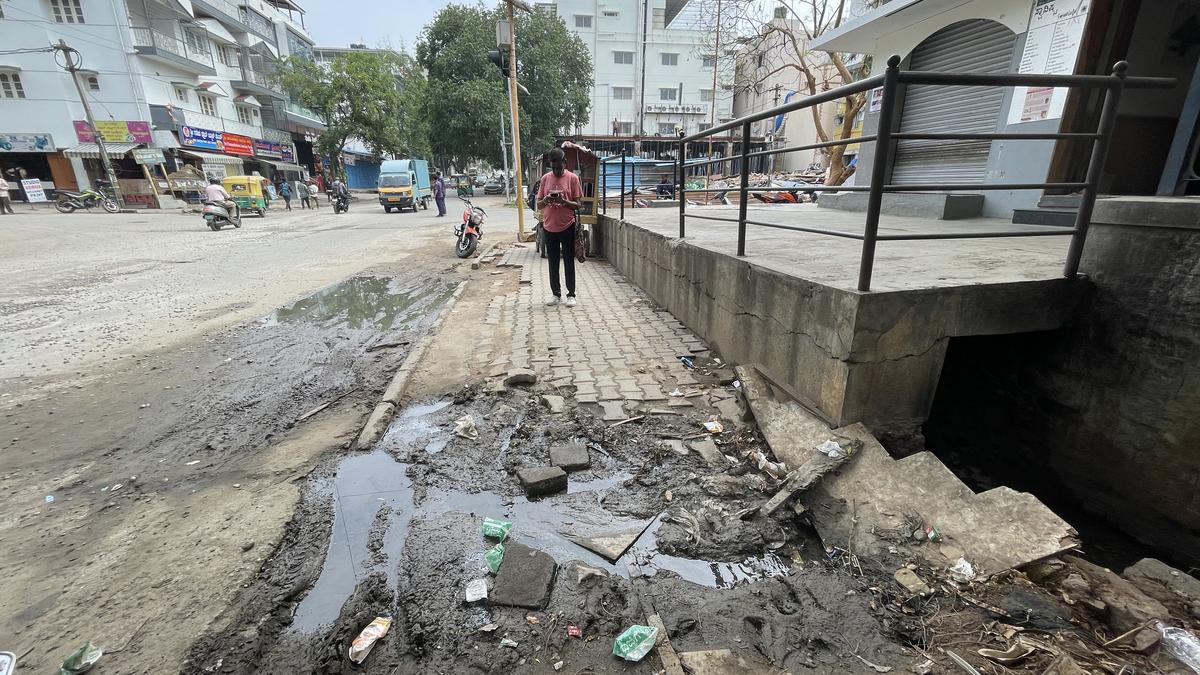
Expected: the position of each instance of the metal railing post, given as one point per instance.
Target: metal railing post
(681, 177)
(879, 172)
(622, 183)
(603, 186)
(744, 196)
(1108, 119)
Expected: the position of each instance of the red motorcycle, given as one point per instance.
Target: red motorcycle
(470, 231)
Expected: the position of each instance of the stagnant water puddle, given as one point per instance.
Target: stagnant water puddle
(365, 483)
(372, 302)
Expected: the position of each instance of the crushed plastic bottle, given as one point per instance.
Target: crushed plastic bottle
(494, 557)
(496, 529)
(635, 642)
(1180, 643)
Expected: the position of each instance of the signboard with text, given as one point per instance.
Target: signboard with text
(33, 190)
(114, 131)
(268, 149)
(1051, 47)
(235, 144)
(26, 143)
(149, 156)
(232, 144)
(288, 152)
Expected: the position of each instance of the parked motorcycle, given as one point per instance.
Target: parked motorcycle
(341, 203)
(470, 231)
(68, 202)
(217, 216)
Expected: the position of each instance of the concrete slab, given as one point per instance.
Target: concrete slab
(708, 450)
(556, 404)
(610, 546)
(726, 662)
(614, 411)
(570, 456)
(542, 480)
(525, 578)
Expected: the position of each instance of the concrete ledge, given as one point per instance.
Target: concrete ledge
(936, 205)
(1173, 212)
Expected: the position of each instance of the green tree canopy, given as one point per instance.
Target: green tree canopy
(467, 94)
(376, 96)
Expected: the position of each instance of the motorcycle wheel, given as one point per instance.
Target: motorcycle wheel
(237, 224)
(214, 227)
(64, 205)
(466, 245)
(111, 205)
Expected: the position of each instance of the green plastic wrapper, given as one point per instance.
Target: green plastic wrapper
(494, 557)
(496, 529)
(82, 660)
(635, 642)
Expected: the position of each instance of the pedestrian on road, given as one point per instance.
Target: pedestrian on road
(285, 191)
(439, 194)
(558, 197)
(5, 200)
(313, 192)
(302, 193)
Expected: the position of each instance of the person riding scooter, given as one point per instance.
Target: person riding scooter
(340, 195)
(216, 194)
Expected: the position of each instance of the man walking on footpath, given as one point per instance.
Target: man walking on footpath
(5, 200)
(439, 194)
(558, 196)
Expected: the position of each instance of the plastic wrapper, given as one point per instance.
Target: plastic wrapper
(361, 647)
(82, 660)
(496, 529)
(494, 557)
(1180, 643)
(635, 642)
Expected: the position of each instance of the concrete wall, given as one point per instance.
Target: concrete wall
(1110, 407)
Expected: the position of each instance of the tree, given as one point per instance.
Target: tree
(377, 96)
(467, 94)
(777, 37)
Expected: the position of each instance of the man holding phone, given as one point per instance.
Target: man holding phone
(558, 196)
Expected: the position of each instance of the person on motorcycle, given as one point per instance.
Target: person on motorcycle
(216, 193)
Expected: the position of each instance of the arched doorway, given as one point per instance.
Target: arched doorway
(972, 46)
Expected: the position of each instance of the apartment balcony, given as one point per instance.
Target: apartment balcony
(299, 115)
(222, 10)
(172, 51)
(256, 82)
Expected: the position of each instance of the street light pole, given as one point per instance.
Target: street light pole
(69, 53)
(516, 117)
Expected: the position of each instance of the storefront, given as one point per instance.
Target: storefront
(276, 161)
(216, 153)
(212, 164)
(32, 156)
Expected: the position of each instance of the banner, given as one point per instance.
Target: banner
(234, 144)
(149, 156)
(26, 143)
(33, 190)
(268, 149)
(288, 152)
(114, 131)
(193, 137)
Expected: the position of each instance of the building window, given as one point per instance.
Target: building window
(709, 61)
(197, 42)
(666, 128)
(781, 12)
(10, 86)
(611, 13)
(668, 94)
(669, 59)
(66, 11)
(623, 127)
(298, 47)
(93, 82)
(706, 95)
(660, 18)
(228, 55)
(181, 94)
(244, 115)
(623, 57)
(208, 105)
(583, 21)
(705, 126)
(622, 93)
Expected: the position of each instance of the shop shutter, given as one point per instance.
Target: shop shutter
(974, 46)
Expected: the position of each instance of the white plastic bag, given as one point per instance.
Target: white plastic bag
(1180, 643)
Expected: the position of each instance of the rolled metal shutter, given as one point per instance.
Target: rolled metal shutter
(974, 46)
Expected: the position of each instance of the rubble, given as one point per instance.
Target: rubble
(542, 480)
(570, 456)
(708, 451)
(556, 404)
(519, 376)
(525, 578)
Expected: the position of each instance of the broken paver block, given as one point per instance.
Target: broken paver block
(730, 411)
(675, 446)
(911, 582)
(520, 376)
(570, 456)
(524, 579)
(556, 404)
(707, 450)
(614, 411)
(542, 480)
(610, 546)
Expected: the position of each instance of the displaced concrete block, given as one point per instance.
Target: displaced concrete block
(556, 404)
(911, 582)
(570, 456)
(520, 376)
(542, 480)
(610, 546)
(675, 446)
(525, 577)
(725, 662)
(707, 450)
(614, 411)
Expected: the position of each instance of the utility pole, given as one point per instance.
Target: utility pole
(775, 132)
(712, 114)
(515, 112)
(69, 54)
(504, 154)
(641, 113)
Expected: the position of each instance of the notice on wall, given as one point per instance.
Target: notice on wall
(34, 191)
(1051, 48)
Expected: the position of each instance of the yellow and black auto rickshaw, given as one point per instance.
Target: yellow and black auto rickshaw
(247, 193)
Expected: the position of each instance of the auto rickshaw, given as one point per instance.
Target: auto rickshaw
(463, 184)
(247, 193)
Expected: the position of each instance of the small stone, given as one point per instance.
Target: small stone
(247, 546)
(674, 445)
(707, 449)
(520, 376)
(542, 480)
(556, 404)
(570, 456)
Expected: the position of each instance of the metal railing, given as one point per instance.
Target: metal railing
(148, 37)
(886, 138)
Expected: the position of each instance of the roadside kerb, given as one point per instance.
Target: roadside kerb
(381, 416)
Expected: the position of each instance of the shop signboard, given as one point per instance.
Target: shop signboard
(234, 144)
(187, 179)
(288, 152)
(114, 131)
(268, 149)
(33, 190)
(26, 143)
(149, 156)
(194, 137)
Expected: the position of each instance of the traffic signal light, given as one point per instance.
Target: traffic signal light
(500, 58)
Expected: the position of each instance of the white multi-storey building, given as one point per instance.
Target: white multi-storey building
(186, 76)
(654, 62)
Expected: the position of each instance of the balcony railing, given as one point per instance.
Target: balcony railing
(297, 109)
(148, 38)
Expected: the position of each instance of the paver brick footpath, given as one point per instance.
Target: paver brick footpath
(615, 345)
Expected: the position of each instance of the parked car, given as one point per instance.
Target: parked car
(480, 181)
(494, 186)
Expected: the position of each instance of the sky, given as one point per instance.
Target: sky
(337, 23)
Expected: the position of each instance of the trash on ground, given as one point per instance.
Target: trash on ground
(911, 582)
(713, 427)
(1014, 654)
(494, 557)
(477, 590)
(962, 570)
(496, 529)
(465, 427)
(82, 660)
(192, 463)
(488, 628)
(688, 361)
(831, 449)
(532, 620)
(361, 647)
(505, 642)
(49, 499)
(635, 642)
(558, 665)
(574, 630)
(1180, 643)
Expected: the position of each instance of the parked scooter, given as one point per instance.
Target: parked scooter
(217, 216)
(69, 202)
(470, 231)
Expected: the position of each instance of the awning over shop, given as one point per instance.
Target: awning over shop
(213, 157)
(282, 166)
(165, 139)
(92, 151)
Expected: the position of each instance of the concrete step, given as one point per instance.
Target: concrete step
(935, 205)
(1044, 216)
